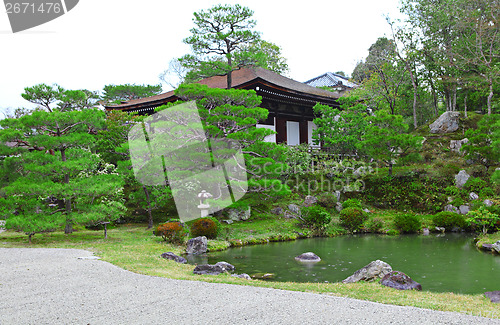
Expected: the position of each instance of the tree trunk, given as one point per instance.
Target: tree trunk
(434, 97)
(390, 169)
(465, 106)
(29, 238)
(148, 201)
(490, 96)
(230, 71)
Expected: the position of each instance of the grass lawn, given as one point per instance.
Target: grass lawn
(134, 248)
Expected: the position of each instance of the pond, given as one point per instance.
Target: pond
(441, 263)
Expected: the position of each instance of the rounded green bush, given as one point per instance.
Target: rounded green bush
(315, 216)
(208, 227)
(352, 218)
(448, 220)
(407, 223)
(475, 184)
(352, 203)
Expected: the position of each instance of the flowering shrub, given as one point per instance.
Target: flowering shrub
(172, 232)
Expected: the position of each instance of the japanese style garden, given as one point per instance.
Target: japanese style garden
(401, 175)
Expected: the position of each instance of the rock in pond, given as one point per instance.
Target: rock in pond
(371, 272)
(215, 269)
(242, 276)
(496, 247)
(173, 257)
(197, 246)
(493, 295)
(425, 232)
(262, 276)
(399, 280)
(308, 257)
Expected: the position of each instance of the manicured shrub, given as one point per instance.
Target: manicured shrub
(448, 220)
(315, 216)
(375, 225)
(351, 203)
(407, 223)
(208, 227)
(352, 218)
(172, 232)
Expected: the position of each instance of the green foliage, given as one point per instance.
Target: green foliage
(57, 175)
(483, 146)
(340, 130)
(484, 219)
(115, 94)
(352, 203)
(327, 200)
(315, 217)
(407, 223)
(375, 225)
(172, 232)
(208, 227)
(385, 138)
(448, 220)
(474, 184)
(224, 40)
(352, 218)
(415, 191)
(487, 192)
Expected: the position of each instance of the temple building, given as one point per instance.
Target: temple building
(290, 103)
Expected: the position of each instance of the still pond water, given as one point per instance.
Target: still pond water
(440, 263)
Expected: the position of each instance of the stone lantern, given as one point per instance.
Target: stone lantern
(204, 206)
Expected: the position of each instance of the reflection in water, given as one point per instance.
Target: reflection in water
(439, 263)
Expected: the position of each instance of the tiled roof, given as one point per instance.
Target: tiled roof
(240, 79)
(331, 79)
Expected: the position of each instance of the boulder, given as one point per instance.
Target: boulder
(197, 246)
(440, 229)
(225, 265)
(446, 123)
(173, 257)
(493, 295)
(399, 280)
(310, 200)
(464, 209)
(456, 145)
(487, 247)
(295, 209)
(338, 206)
(461, 178)
(371, 272)
(277, 211)
(308, 257)
(451, 208)
(209, 269)
(239, 214)
(425, 232)
(496, 247)
(488, 203)
(473, 196)
(242, 276)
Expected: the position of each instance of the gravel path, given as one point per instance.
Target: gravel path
(54, 286)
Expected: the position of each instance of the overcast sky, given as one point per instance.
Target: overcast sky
(103, 42)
